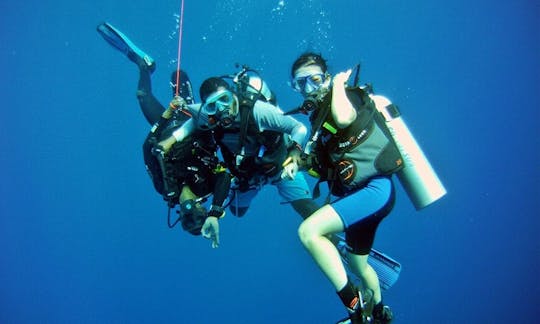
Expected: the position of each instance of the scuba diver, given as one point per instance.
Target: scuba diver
(191, 171)
(350, 150)
(251, 138)
(254, 137)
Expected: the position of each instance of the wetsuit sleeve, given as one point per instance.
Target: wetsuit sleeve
(269, 117)
(221, 188)
(150, 106)
(160, 126)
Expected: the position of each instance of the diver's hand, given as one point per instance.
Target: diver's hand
(342, 109)
(290, 169)
(210, 230)
(177, 102)
(291, 164)
(342, 77)
(167, 143)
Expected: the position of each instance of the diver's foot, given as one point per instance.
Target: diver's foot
(382, 314)
(363, 312)
(354, 318)
(143, 60)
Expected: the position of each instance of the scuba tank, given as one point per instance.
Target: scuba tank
(249, 82)
(259, 86)
(417, 177)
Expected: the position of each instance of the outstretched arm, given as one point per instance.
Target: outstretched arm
(210, 229)
(343, 110)
(221, 188)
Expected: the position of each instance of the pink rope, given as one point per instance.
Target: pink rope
(181, 28)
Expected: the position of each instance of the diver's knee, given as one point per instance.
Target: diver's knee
(306, 234)
(141, 95)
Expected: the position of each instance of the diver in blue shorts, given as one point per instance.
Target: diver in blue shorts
(254, 137)
(350, 151)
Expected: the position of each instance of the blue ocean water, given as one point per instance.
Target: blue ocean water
(84, 236)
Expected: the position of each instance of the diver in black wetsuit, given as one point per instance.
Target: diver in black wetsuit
(192, 171)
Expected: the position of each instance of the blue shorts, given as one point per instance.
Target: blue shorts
(289, 190)
(363, 210)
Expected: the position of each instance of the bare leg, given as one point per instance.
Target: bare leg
(361, 267)
(150, 106)
(313, 233)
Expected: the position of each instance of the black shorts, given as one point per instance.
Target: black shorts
(361, 234)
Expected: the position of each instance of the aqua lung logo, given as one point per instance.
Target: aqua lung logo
(353, 140)
(346, 170)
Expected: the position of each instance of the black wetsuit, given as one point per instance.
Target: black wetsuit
(192, 162)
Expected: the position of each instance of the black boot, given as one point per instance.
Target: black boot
(382, 314)
(361, 312)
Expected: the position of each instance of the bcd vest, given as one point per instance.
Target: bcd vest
(190, 160)
(349, 157)
(255, 153)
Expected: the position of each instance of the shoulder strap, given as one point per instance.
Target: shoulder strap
(246, 111)
(356, 75)
(322, 114)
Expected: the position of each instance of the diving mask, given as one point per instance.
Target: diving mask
(218, 102)
(217, 110)
(308, 83)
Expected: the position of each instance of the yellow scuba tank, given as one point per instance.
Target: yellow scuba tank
(417, 177)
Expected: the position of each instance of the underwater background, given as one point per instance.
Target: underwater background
(84, 237)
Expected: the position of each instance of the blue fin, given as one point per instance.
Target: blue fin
(186, 90)
(387, 268)
(122, 43)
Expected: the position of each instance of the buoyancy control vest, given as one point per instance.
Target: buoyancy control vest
(158, 132)
(190, 161)
(347, 158)
(253, 152)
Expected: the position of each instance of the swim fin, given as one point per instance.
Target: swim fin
(386, 268)
(186, 90)
(122, 43)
